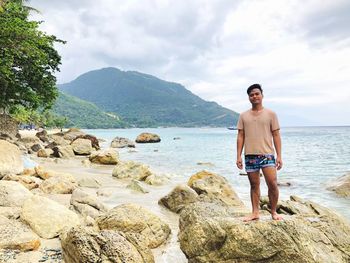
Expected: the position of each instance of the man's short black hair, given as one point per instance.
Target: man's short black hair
(254, 86)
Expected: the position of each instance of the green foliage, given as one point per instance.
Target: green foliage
(83, 114)
(146, 101)
(28, 60)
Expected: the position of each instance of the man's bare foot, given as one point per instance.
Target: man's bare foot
(276, 216)
(251, 218)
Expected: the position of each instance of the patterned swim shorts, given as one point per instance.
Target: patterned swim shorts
(254, 163)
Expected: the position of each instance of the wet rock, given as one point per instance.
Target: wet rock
(131, 169)
(148, 138)
(137, 187)
(132, 218)
(154, 179)
(58, 185)
(109, 157)
(179, 197)
(43, 136)
(89, 182)
(36, 147)
(119, 142)
(341, 186)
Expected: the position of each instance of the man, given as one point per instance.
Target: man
(257, 129)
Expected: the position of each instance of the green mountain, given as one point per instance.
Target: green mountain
(144, 101)
(83, 114)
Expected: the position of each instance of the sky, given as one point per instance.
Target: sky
(298, 50)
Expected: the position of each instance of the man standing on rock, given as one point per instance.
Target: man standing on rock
(258, 128)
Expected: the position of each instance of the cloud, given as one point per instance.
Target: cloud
(298, 50)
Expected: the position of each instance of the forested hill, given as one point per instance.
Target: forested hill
(144, 100)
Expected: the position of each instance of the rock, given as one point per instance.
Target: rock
(36, 147)
(72, 133)
(58, 185)
(63, 151)
(89, 182)
(82, 146)
(45, 153)
(15, 235)
(132, 218)
(156, 180)
(176, 138)
(42, 135)
(137, 187)
(216, 234)
(119, 142)
(210, 186)
(87, 205)
(341, 186)
(43, 174)
(284, 184)
(59, 140)
(46, 217)
(13, 193)
(147, 138)
(10, 159)
(94, 141)
(109, 157)
(179, 197)
(29, 182)
(88, 245)
(131, 169)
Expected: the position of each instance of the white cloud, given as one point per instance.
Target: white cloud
(298, 50)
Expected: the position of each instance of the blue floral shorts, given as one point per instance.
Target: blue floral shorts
(254, 163)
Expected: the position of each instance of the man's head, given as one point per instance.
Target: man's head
(254, 86)
(255, 94)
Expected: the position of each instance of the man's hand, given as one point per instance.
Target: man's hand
(279, 163)
(239, 163)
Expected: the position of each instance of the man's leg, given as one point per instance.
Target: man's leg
(270, 175)
(254, 180)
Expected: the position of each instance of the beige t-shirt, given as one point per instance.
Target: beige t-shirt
(258, 127)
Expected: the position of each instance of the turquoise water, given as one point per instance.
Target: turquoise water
(312, 156)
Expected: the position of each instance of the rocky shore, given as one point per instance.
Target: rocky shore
(81, 203)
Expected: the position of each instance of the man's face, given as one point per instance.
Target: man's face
(255, 97)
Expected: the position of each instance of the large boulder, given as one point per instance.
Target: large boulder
(87, 245)
(45, 153)
(58, 140)
(63, 151)
(108, 156)
(86, 204)
(10, 159)
(119, 142)
(213, 233)
(94, 141)
(131, 169)
(43, 136)
(8, 125)
(147, 138)
(341, 186)
(132, 218)
(72, 134)
(179, 197)
(82, 146)
(17, 236)
(210, 186)
(46, 217)
(13, 193)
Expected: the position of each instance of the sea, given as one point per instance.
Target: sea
(313, 157)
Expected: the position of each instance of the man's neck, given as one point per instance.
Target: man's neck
(258, 107)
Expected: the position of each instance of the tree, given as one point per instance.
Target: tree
(28, 60)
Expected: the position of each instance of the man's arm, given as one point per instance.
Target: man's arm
(240, 143)
(278, 147)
